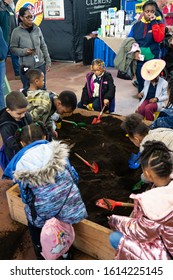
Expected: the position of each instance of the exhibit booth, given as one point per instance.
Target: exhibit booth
(65, 23)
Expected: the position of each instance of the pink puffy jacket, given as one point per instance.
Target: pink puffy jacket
(148, 234)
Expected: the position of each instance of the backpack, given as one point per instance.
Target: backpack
(3, 158)
(56, 238)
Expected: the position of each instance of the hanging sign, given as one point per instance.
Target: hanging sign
(53, 9)
(96, 6)
(35, 6)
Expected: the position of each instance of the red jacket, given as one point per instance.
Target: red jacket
(168, 19)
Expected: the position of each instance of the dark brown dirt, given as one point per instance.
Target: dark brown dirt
(104, 143)
(107, 145)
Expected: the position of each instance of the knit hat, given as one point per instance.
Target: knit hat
(152, 68)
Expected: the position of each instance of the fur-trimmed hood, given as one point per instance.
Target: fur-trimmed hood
(39, 164)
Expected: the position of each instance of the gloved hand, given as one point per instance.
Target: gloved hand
(134, 161)
(89, 107)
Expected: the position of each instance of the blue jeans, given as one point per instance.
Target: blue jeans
(15, 63)
(114, 239)
(2, 77)
(25, 81)
(139, 78)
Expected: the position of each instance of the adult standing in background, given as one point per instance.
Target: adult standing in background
(3, 55)
(28, 43)
(8, 23)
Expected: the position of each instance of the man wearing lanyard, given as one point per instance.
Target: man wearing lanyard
(8, 23)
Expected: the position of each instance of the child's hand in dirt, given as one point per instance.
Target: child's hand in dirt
(54, 134)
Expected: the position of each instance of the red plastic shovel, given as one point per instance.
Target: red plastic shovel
(110, 204)
(98, 119)
(94, 166)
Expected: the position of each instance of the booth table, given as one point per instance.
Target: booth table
(106, 49)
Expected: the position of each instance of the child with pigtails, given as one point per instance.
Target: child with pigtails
(48, 183)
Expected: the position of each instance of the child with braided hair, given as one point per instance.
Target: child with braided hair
(165, 118)
(148, 234)
(48, 183)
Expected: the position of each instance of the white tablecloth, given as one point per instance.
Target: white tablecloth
(113, 42)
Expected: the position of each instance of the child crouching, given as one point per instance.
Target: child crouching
(48, 183)
(148, 234)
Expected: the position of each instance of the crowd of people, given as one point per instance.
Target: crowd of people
(32, 155)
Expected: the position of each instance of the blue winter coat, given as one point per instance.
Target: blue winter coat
(165, 119)
(48, 183)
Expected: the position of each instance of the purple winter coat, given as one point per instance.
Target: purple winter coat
(148, 234)
(106, 91)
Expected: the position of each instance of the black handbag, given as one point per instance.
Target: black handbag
(123, 75)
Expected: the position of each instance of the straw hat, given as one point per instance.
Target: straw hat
(152, 68)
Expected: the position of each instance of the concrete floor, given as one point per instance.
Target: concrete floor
(63, 76)
(71, 76)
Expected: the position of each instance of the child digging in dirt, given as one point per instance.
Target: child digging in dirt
(139, 133)
(148, 234)
(43, 104)
(99, 89)
(48, 183)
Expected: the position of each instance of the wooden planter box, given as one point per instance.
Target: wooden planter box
(90, 237)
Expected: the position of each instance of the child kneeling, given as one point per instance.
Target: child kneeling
(148, 234)
(99, 89)
(154, 92)
(48, 183)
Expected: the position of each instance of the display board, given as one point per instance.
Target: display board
(64, 36)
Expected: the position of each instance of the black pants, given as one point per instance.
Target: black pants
(35, 237)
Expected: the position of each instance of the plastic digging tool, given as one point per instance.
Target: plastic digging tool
(98, 119)
(94, 166)
(134, 161)
(80, 124)
(110, 204)
(138, 185)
